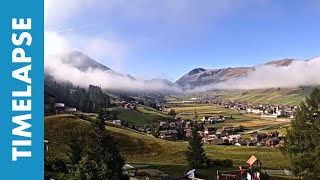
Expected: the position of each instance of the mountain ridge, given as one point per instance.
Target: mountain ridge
(197, 77)
(202, 77)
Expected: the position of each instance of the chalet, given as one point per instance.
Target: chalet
(188, 132)
(117, 122)
(49, 102)
(272, 134)
(216, 119)
(70, 110)
(169, 134)
(209, 130)
(127, 106)
(234, 138)
(205, 118)
(243, 142)
(243, 111)
(188, 125)
(262, 143)
(59, 107)
(201, 134)
(222, 133)
(260, 137)
(272, 142)
(172, 125)
(252, 143)
(72, 91)
(163, 125)
(259, 110)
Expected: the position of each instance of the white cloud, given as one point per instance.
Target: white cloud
(110, 80)
(66, 22)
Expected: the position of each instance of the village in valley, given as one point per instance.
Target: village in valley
(218, 122)
(181, 90)
(215, 129)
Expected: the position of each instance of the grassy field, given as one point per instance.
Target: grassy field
(138, 148)
(143, 115)
(91, 115)
(187, 111)
(283, 96)
(282, 129)
(249, 121)
(157, 151)
(58, 129)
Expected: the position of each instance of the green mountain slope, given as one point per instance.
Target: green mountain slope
(281, 96)
(143, 115)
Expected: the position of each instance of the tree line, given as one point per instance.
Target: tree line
(85, 100)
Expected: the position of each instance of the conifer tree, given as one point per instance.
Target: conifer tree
(302, 143)
(172, 113)
(75, 146)
(195, 153)
(195, 115)
(103, 156)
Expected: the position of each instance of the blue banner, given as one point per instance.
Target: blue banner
(21, 89)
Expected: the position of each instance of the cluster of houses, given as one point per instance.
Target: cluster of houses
(265, 110)
(170, 130)
(230, 136)
(53, 107)
(215, 119)
(128, 105)
(227, 135)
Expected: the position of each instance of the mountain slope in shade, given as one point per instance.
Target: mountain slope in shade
(131, 77)
(202, 77)
(283, 62)
(82, 61)
(159, 80)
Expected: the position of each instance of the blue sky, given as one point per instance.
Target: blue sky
(168, 38)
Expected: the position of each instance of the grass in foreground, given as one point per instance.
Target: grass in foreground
(145, 149)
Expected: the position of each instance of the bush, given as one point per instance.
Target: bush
(55, 165)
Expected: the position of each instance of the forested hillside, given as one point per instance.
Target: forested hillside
(86, 100)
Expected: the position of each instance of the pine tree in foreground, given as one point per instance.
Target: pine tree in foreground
(103, 160)
(195, 153)
(302, 143)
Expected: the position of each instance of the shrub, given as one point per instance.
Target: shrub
(55, 165)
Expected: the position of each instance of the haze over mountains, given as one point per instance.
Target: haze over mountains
(82, 70)
(200, 77)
